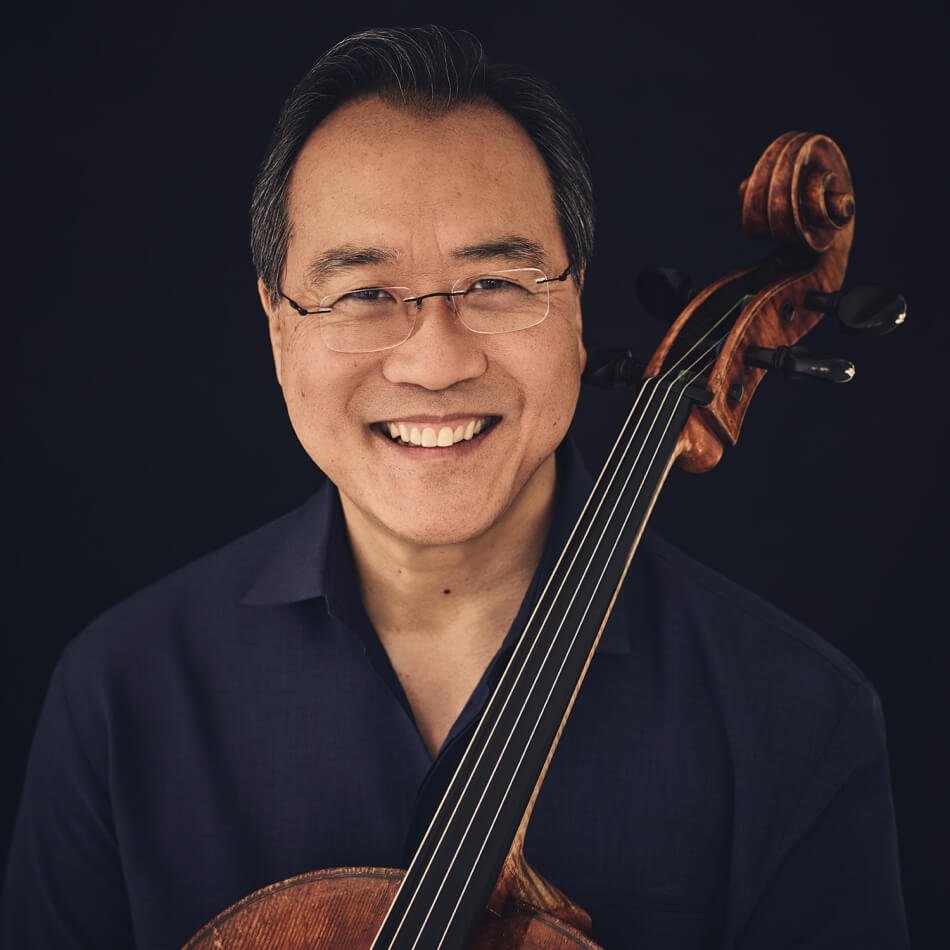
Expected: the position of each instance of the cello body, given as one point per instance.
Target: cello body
(343, 909)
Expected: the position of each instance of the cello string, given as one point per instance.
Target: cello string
(559, 677)
(523, 641)
(565, 654)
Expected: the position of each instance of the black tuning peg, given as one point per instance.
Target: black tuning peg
(607, 367)
(664, 292)
(797, 362)
(872, 310)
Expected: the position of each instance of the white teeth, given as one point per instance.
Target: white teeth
(429, 437)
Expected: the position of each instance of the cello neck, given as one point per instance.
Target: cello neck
(457, 864)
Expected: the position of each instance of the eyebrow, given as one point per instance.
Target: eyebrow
(345, 257)
(512, 247)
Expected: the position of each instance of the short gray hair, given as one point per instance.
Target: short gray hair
(428, 68)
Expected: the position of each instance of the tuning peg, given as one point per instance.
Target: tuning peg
(872, 310)
(607, 367)
(796, 361)
(664, 292)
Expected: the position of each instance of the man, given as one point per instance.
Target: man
(421, 228)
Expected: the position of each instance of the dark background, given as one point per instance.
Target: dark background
(143, 425)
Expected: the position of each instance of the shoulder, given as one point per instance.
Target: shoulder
(200, 603)
(796, 715)
(730, 620)
(779, 690)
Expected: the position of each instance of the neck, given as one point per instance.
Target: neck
(414, 589)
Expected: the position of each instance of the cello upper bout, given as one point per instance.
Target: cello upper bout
(320, 910)
(344, 908)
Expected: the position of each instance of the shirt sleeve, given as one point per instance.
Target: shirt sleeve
(835, 878)
(64, 886)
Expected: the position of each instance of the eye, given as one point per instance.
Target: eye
(494, 283)
(367, 295)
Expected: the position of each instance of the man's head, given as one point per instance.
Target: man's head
(394, 195)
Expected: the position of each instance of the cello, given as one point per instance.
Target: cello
(468, 883)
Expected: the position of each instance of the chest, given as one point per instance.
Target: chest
(438, 677)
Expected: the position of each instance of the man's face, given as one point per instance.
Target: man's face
(389, 197)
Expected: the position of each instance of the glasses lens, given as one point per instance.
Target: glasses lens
(366, 320)
(503, 301)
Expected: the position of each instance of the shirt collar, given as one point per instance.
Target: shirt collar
(297, 568)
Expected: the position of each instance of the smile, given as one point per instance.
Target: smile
(430, 437)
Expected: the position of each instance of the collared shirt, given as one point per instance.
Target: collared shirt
(722, 780)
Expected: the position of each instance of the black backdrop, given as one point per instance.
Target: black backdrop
(145, 424)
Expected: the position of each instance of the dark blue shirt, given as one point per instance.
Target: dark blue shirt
(722, 781)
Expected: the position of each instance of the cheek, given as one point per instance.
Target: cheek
(555, 369)
(317, 385)
(300, 358)
(566, 386)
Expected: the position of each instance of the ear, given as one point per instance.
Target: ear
(273, 325)
(579, 322)
(581, 349)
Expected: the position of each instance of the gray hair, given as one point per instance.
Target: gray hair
(433, 69)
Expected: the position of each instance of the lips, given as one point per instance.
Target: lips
(427, 435)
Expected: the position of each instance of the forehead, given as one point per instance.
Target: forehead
(374, 174)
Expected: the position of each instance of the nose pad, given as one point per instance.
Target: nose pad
(451, 306)
(449, 295)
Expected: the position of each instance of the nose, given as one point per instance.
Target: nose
(440, 352)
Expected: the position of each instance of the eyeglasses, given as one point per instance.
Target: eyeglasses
(369, 319)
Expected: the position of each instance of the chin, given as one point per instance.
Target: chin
(438, 531)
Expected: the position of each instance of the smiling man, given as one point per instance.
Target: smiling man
(421, 227)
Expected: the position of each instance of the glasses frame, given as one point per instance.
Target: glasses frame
(450, 295)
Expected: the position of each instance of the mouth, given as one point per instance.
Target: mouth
(419, 434)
